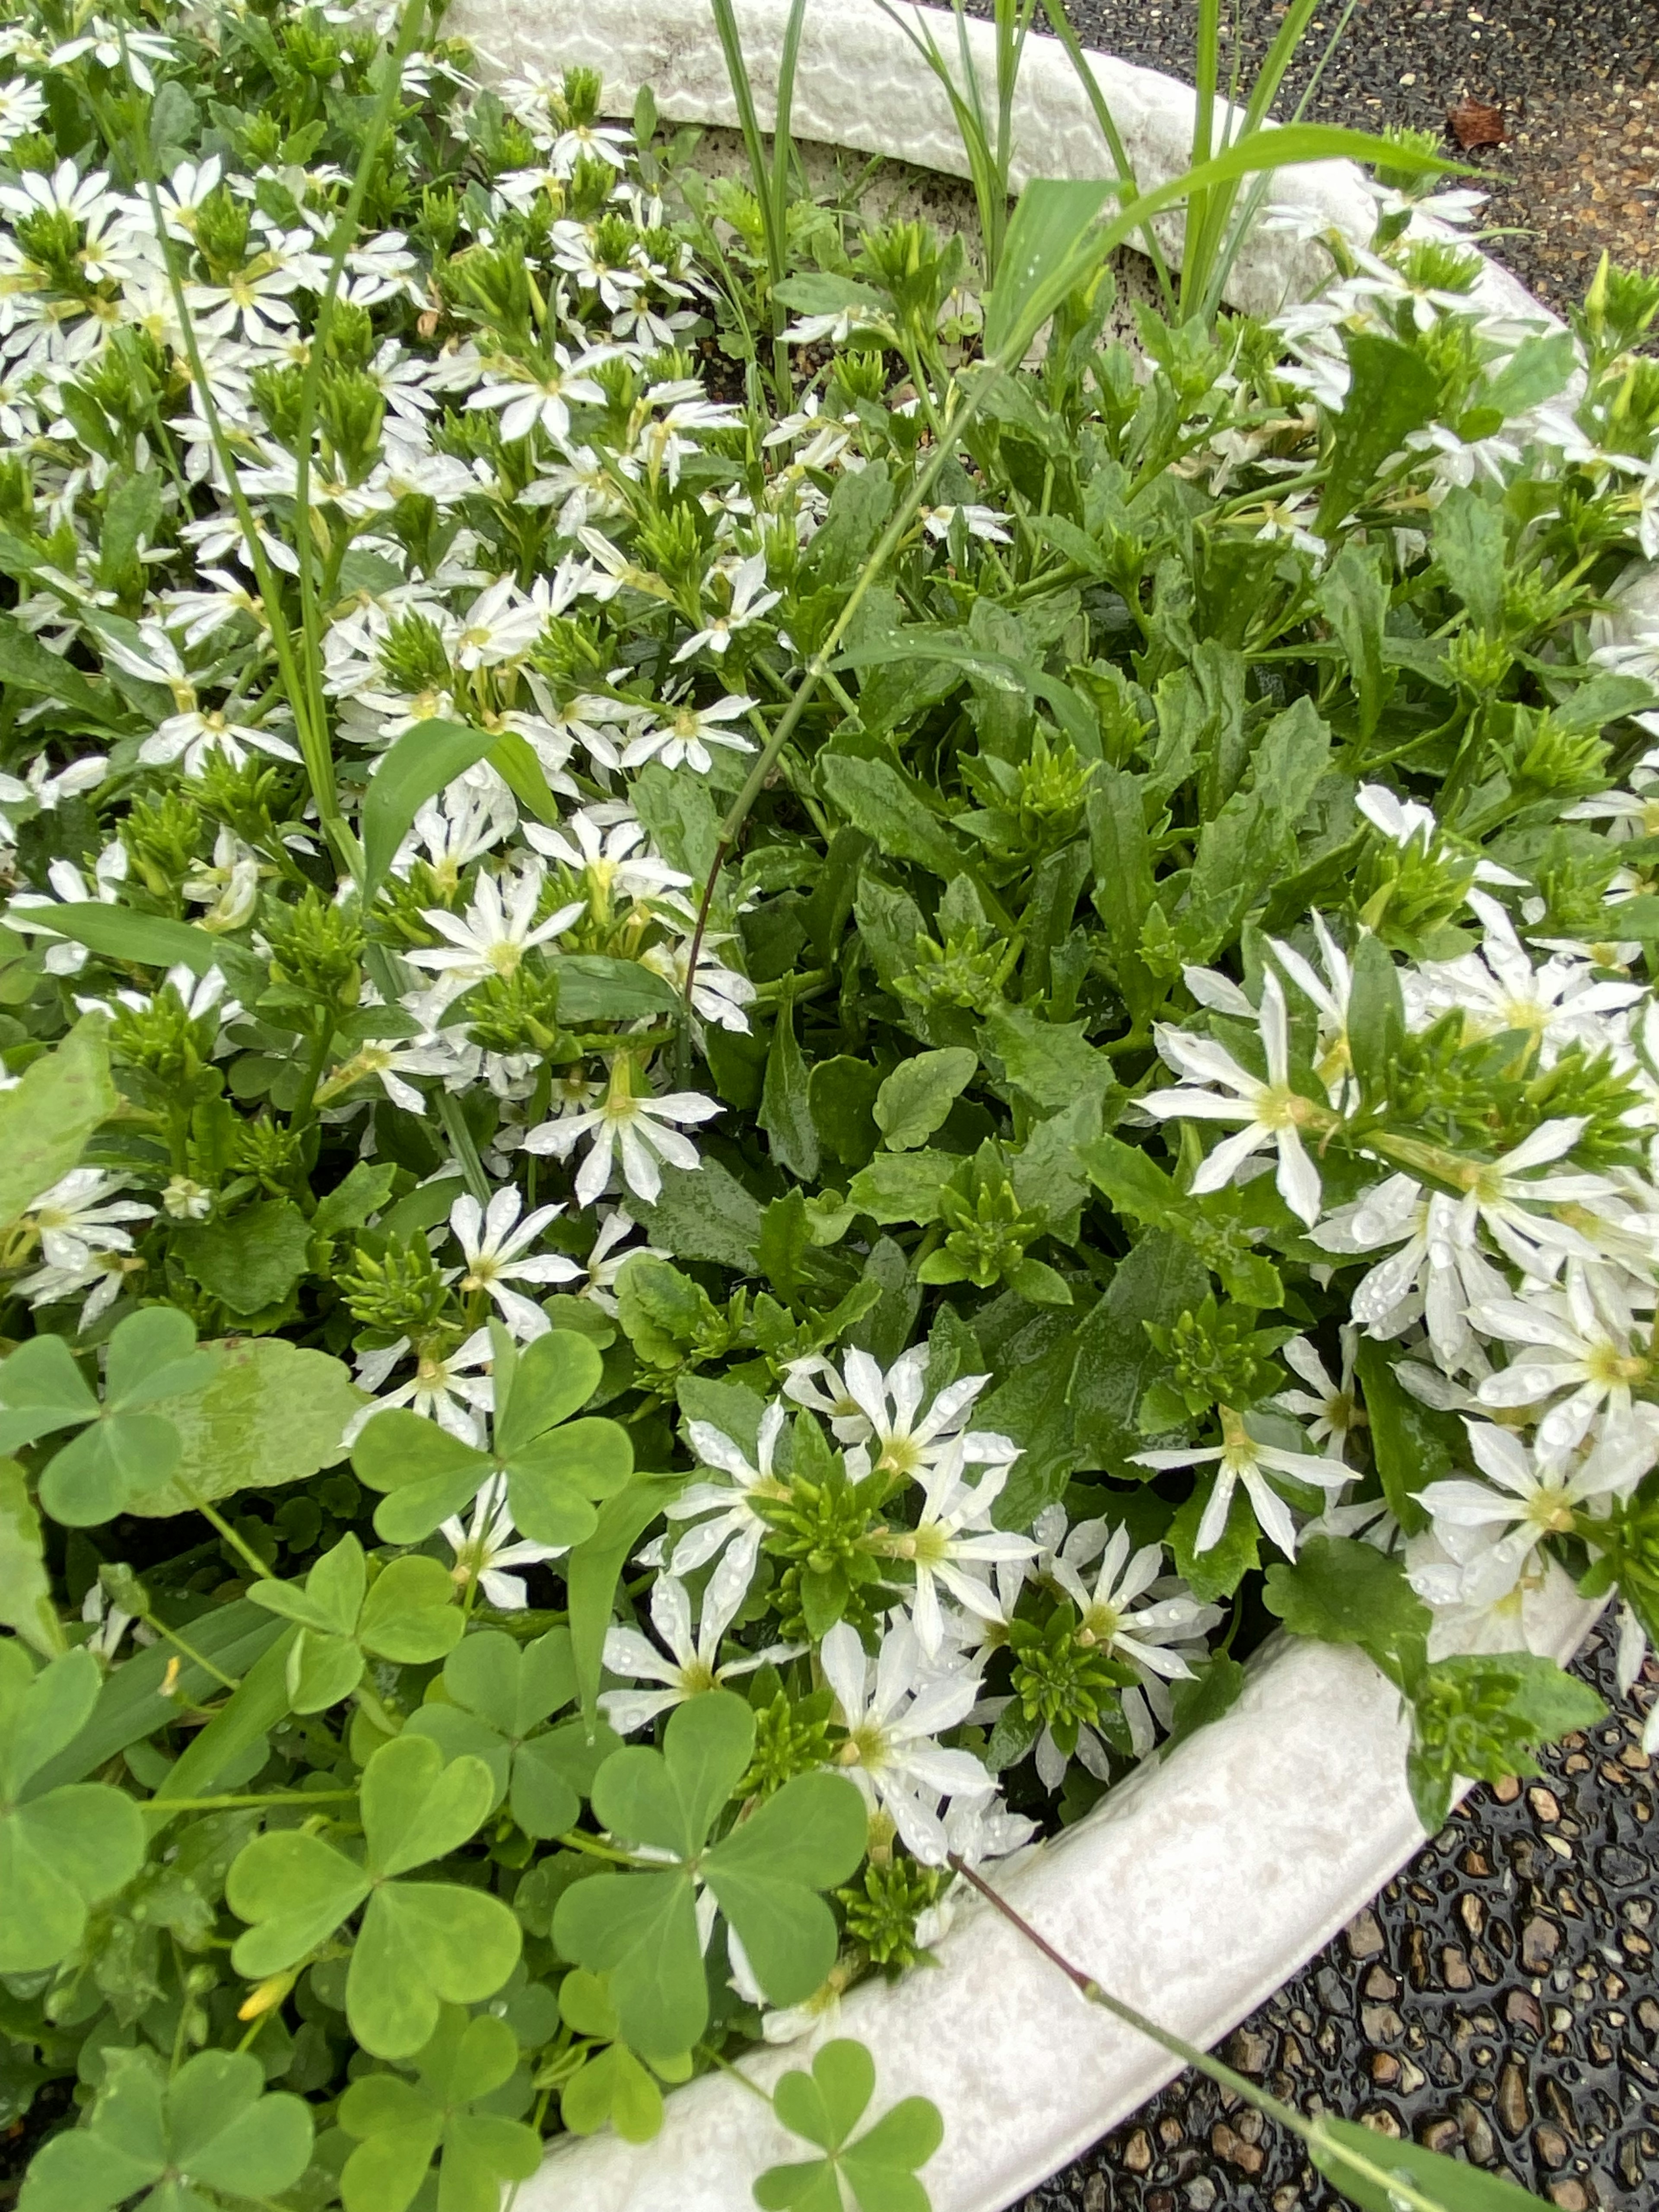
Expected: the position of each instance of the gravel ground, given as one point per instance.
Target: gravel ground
(1500, 1997)
(1576, 88)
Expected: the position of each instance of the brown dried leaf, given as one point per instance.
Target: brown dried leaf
(1472, 123)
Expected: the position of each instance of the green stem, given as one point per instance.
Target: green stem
(171, 1805)
(817, 667)
(1389, 2181)
(261, 1571)
(322, 767)
(718, 2059)
(575, 1840)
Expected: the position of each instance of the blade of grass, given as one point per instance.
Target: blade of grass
(345, 231)
(1060, 24)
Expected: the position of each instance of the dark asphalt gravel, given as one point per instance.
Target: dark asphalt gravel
(1577, 86)
(1499, 1999)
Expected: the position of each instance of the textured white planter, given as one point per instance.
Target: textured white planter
(1202, 1883)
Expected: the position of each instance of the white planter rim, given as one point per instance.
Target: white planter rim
(1205, 1881)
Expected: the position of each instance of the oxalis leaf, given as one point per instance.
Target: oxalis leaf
(461, 2108)
(552, 1470)
(126, 1445)
(409, 1616)
(420, 1944)
(212, 2124)
(500, 1695)
(642, 1928)
(612, 2084)
(878, 2167)
(269, 1413)
(66, 1851)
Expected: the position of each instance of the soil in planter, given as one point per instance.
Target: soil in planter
(1500, 1997)
(1575, 92)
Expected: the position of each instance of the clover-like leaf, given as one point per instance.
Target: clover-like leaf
(408, 1615)
(612, 2083)
(212, 2125)
(825, 2107)
(67, 1850)
(499, 1696)
(462, 2107)
(420, 1944)
(122, 1451)
(555, 1469)
(642, 1928)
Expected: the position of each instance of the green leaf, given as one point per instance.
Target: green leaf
(416, 767)
(1139, 1189)
(400, 2125)
(29, 666)
(919, 1094)
(271, 1414)
(551, 1379)
(1362, 2163)
(595, 987)
(824, 2106)
(841, 1096)
(1052, 1062)
(422, 1944)
(1354, 600)
(1051, 244)
(903, 1186)
(641, 1929)
(152, 940)
(1483, 1716)
(876, 799)
(786, 1112)
(1217, 1572)
(1392, 390)
(213, 2121)
(1412, 1444)
(67, 1850)
(1160, 1279)
(704, 1214)
(1376, 1016)
(26, 1603)
(809, 1836)
(351, 1203)
(592, 1571)
(428, 1473)
(1344, 1592)
(611, 2085)
(41, 1389)
(250, 1260)
(1537, 369)
(1469, 545)
(46, 1118)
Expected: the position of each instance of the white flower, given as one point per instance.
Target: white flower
(719, 994)
(489, 1546)
(1273, 1113)
(1491, 1530)
(733, 1531)
(497, 1254)
(953, 1536)
(1331, 1409)
(1108, 1615)
(41, 787)
(642, 1127)
(881, 1415)
(77, 1217)
(1583, 1342)
(501, 624)
(978, 521)
(492, 937)
(606, 858)
(894, 1709)
(684, 739)
(528, 395)
(750, 601)
(605, 1261)
(1498, 989)
(1434, 1276)
(695, 1664)
(446, 1384)
(1403, 821)
(1240, 1458)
